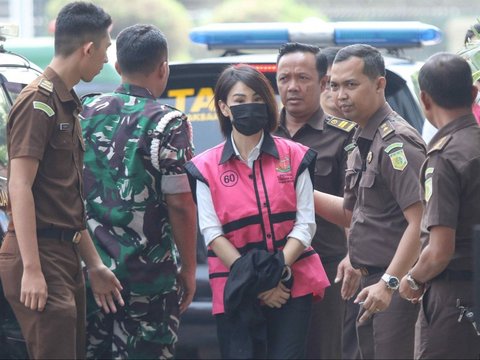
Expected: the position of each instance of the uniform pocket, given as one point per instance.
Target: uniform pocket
(367, 180)
(58, 158)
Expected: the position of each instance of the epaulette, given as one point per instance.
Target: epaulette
(440, 144)
(342, 124)
(45, 86)
(386, 129)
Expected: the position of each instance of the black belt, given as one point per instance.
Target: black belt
(370, 270)
(60, 234)
(453, 275)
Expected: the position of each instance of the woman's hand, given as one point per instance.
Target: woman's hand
(276, 297)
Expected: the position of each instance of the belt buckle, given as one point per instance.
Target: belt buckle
(76, 237)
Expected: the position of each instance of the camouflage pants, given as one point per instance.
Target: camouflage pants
(145, 328)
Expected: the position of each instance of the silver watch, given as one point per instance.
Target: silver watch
(391, 281)
(414, 284)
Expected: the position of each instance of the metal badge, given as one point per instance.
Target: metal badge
(369, 157)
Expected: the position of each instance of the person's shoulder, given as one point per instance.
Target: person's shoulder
(395, 128)
(37, 96)
(167, 116)
(344, 126)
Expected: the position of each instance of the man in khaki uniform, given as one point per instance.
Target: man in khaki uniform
(381, 204)
(40, 257)
(450, 179)
(301, 78)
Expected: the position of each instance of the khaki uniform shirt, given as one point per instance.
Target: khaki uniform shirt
(450, 180)
(43, 124)
(381, 182)
(330, 137)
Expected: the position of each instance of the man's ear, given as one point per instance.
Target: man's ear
(381, 83)
(323, 82)
(87, 48)
(117, 67)
(426, 100)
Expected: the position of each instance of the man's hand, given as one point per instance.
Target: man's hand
(406, 292)
(275, 297)
(105, 287)
(187, 285)
(33, 292)
(374, 298)
(350, 276)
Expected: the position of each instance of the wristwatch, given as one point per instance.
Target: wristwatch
(391, 281)
(414, 284)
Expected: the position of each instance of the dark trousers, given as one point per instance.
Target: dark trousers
(439, 334)
(286, 331)
(388, 334)
(324, 339)
(350, 348)
(58, 332)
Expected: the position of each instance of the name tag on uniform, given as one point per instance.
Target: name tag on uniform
(64, 126)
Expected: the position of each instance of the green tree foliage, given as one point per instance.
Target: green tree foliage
(263, 11)
(169, 15)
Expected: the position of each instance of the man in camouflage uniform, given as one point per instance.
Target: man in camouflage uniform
(139, 202)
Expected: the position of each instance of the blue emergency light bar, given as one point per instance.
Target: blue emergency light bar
(392, 34)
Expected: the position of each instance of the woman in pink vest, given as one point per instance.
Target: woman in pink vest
(254, 192)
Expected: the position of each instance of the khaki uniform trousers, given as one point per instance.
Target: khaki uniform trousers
(389, 334)
(58, 332)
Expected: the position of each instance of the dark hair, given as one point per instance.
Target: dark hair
(320, 60)
(140, 48)
(447, 78)
(255, 80)
(330, 53)
(373, 63)
(471, 33)
(77, 23)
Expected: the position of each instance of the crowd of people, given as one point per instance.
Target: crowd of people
(333, 231)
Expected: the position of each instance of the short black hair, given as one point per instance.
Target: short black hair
(330, 53)
(140, 48)
(374, 65)
(256, 81)
(474, 31)
(447, 78)
(293, 47)
(77, 23)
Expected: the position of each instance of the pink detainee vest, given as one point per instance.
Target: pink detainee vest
(257, 209)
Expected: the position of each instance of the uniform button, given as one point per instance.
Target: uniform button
(250, 176)
(265, 204)
(269, 236)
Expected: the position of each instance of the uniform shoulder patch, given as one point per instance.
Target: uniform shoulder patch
(342, 124)
(43, 107)
(386, 129)
(46, 85)
(440, 144)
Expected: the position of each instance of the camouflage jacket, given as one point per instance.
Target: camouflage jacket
(132, 142)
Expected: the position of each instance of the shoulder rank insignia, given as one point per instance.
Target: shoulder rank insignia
(397, 156)
(440, 144)
(386, 129)
(46, 85)
(43, 107)
(342, 124)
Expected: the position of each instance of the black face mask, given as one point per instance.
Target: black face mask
(250, 118)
